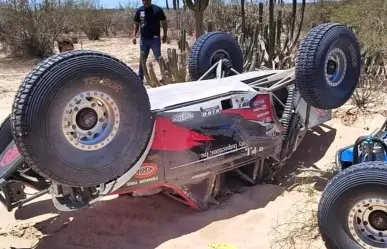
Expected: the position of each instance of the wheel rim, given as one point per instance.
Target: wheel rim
(367, 223)
(219, 55)
(335, 67)
(90, 120)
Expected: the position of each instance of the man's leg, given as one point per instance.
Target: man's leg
(156, 47)
(144, 47)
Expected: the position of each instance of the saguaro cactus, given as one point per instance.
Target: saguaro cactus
(173, 69)
(271, 43)
(198, 7)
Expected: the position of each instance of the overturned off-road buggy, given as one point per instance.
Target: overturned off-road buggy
(83, 126)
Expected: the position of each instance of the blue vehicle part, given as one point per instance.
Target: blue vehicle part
(346, 156)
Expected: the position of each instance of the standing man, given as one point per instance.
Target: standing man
(148, 18)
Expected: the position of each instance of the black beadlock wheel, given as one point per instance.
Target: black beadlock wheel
(210, 48)
(328, 66)
(352, 212)
(82, 118)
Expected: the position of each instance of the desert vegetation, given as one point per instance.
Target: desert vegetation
(268, 32)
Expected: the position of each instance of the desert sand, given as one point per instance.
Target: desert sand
(247, 220)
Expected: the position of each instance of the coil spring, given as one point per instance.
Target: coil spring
(227, 66)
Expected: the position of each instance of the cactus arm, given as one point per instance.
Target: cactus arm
(300, 26)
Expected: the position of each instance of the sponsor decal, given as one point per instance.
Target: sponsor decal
(321, 112)
(263, 107)
(263, 114)
(146, 180)
(258, 102)
(146, 170)
(103, 82)
(222, 150)
(252, 151)
(244, 103)
(9, 156)
(210, 111)
(182, 117)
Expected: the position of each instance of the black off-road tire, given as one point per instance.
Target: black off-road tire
(208, 45)
(310, 65)
(5, 133)
(358, 182)
(37, 118)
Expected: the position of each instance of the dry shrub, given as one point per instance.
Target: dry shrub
(28, 28)
(93, 20)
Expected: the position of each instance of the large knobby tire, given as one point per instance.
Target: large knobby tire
(82, 118)
(5, 133)
(353, 205)
(328, 66)
(210, 48)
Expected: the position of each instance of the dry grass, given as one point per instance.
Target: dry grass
(299, 228)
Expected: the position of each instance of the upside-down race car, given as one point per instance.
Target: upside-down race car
(83, 125)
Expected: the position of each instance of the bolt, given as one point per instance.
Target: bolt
(79, 198)
(92, 104)
(101, 120)
(76, 109)
(89, 133)
(74, 126)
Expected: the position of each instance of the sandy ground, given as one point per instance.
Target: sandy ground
(246, 220)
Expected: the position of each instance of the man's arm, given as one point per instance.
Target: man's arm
(135, 29)
(136, 24)
(163, 20)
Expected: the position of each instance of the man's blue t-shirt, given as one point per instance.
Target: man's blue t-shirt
(149, 20)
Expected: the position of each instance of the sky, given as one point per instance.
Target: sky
(161, 3)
